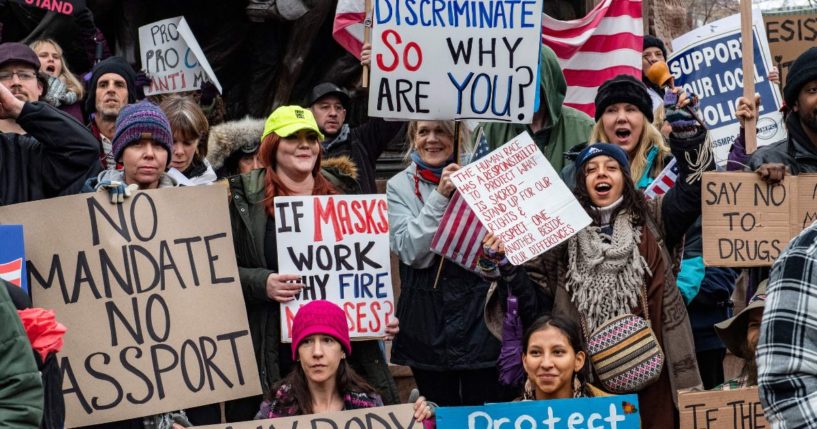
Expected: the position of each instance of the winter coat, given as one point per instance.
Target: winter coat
(363, 144)
(198, 173)
(227, 138)
(566, 126)
(797, 152)
(441, 325)
(53, 159)
(21, 389)
(119, 175)
(668, 316)
(283, 403)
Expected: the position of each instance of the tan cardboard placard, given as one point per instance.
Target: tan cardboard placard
(391, 417)
(149, 292)
(724, 409)
(790, 34)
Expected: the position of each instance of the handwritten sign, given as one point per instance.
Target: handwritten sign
(63, 7)
(391, 417)
(609, 412)
(790, 34)
(747, 222)
(136, 284)
(12, 256)
(726, 409)
(340, 247)
(707, 62)
(454, 59)
(518, 196)
(173, 58)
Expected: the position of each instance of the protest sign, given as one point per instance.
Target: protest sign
(790, 33)
(340, 246)
(747, 222)
(708, 63)
(518, 196)
(12, 256)
(137, 285)
(63, 7)
(455, 59)
(172, 57)
(606, 412)
(391, 417)
(725, 409)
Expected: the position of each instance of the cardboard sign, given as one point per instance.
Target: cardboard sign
(172, 57)
(747, 222)
(707, 62)
(12, 256)
(340, 246)
(454, 59)
(790, 34)
(137, 285)
(726, 409)
(391, 417)
(620, 412)
(517, 195)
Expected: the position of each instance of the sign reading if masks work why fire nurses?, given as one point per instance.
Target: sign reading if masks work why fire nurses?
(339, 245)
(137, 285)
(518, 196)
(173, 58)
(707, 62)
(455, 59)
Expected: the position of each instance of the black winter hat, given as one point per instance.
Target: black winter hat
(624, 89)
(801, 72)
(651, 41)
(116, 65)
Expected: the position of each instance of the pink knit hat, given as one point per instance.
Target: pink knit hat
(320, 317)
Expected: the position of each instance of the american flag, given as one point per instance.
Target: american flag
(664, 182)
(348, 27)
(12, 272)
(604, 44)
(459, 236)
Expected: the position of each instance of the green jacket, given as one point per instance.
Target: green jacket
(566, 126)
(21, 388)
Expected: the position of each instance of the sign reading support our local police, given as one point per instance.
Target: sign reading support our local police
(608, 412)
(455, 59)
(708, 63)
(137, 285)
(339, 245)
(518, 196)
(172, 57)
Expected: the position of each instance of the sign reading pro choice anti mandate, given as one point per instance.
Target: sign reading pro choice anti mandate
(339, 245)
(455, 59)
(517, 195)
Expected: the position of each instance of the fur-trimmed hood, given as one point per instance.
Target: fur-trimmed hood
(226, 138)
(342, 173)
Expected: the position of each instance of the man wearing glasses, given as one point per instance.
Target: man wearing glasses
(44, 153)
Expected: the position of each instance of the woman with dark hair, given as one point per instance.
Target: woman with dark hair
(322, 380)
(621, 260)
(189, 125)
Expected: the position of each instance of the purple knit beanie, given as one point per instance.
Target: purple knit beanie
(141, 120)
(320, 317)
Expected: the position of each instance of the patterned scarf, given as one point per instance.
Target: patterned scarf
(605, 273)
(428, 173)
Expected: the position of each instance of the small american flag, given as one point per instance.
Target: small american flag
(605, 43)
(348, 27)
(12, 272)
(459, 236)
(664, 182)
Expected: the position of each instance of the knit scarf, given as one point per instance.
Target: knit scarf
(605, 274)
(427, 172)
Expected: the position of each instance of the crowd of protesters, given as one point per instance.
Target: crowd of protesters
(62, 135)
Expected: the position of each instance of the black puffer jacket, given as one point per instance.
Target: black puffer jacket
(797, 152)
(53, 159)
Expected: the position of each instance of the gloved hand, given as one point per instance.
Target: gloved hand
(143, 79)
(209, 92)
(681, 111)
(117, 190)
(56, 91)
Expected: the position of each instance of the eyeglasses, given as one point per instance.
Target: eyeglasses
(22, 75)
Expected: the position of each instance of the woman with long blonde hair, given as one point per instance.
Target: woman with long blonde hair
(64, 90)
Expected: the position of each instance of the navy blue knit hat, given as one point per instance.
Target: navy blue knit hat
(138, 121)
(596, 149)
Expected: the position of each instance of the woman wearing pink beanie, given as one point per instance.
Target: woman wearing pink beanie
(322, 380)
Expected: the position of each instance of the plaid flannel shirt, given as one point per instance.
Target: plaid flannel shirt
(787, 351)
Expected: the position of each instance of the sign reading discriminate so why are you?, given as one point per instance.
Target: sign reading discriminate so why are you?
(339, 245)
(391, 417)
(518, 196)
(173, 58)
(455, 59)
(137, 285)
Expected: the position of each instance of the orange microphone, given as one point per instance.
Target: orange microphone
(659, 74)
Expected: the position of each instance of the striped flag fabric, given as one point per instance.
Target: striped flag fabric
(347, 30)
(664, 182)
(12, 272)
(459, 236)
(605, 43)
